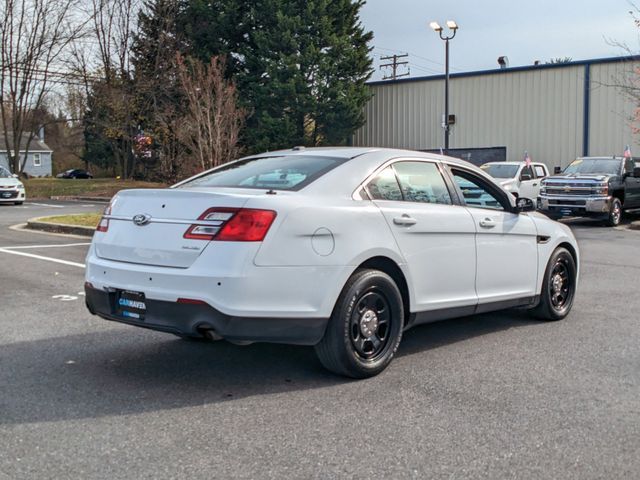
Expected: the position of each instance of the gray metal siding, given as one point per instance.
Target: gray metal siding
(540, 110)
(611, 111)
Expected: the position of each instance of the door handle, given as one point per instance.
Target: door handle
(487, 223)
(404, 220)
(535, 184)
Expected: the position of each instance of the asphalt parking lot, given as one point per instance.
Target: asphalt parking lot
(491, 396)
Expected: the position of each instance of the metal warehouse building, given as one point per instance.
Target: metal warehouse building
(555, 112)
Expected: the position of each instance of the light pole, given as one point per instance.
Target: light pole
(453, 26)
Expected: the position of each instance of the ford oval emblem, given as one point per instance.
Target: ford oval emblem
(142, 219)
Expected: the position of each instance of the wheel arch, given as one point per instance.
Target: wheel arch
(391, 268)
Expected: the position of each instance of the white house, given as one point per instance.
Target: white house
(39, 160)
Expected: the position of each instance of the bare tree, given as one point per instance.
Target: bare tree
(106, 72)
(34, 39)
(213, 120)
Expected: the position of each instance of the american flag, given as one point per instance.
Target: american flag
(527, 159)
(627, 152)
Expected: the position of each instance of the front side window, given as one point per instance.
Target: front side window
(476, 193)
(526, 170)
(36, 160)
(288, 172)
(385, 186)
(422, 182)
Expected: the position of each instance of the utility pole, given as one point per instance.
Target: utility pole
(394, 66)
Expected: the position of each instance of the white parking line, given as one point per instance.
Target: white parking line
(23, 247)
(46, 205)
(40, 257)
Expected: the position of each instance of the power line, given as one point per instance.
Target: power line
(395, 64)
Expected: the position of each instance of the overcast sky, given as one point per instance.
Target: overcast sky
(524, 31)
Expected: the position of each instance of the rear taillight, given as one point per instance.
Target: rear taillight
(103, 226)
(232, 225)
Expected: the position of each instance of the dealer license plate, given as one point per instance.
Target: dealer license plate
(131, 304)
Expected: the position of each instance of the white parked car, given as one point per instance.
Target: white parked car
(11, 189)
(517, 177)
(341, 248)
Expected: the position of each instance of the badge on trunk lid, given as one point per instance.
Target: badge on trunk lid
(142, 219)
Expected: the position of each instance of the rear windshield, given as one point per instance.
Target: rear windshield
(500, 171)
(595, 165)
(290, 172)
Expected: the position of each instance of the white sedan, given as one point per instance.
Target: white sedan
(11, 189)
(341, 248)
(518, 177)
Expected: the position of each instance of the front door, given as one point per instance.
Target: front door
(529, 184)
(506, 242)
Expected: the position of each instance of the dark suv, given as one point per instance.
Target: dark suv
(593, 187)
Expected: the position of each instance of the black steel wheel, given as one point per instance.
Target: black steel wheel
(559, 286)
(365, 328)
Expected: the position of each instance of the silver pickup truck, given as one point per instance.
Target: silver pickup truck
(601, 187)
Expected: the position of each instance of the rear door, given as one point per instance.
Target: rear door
(436, 238)
(506, 242)
(631, 186)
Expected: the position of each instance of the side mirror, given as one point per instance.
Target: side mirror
(14, 175)
(524, 204)
(557, 170)
(525, 176)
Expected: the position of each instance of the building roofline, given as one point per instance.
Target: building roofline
(525, 68)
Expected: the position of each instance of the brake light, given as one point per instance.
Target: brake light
(232, 225)
(103, 226)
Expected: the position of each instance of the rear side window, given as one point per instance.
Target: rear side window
(290, 172)
(422, 182)
(385, 186)
(540, 171)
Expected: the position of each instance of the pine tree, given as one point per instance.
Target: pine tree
(300, 65)
(155, 46)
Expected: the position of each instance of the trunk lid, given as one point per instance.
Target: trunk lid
(163, 216)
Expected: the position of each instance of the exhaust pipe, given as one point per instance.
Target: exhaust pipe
(211, 334)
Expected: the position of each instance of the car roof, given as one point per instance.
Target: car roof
(511, 163)
(353, 152)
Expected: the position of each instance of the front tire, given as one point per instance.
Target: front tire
(365, 328)
(558, 287)
(615, 213)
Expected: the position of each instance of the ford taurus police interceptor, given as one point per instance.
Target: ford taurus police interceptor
(340, 248)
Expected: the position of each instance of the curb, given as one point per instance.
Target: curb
(36, 224)
(81, 199)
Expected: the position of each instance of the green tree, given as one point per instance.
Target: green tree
(300, 65)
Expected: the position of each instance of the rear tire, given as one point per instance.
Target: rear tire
(558, 287)
(365, 328)
(615, 213)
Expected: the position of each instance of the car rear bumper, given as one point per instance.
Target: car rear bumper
(193, 320)
(574, 205)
